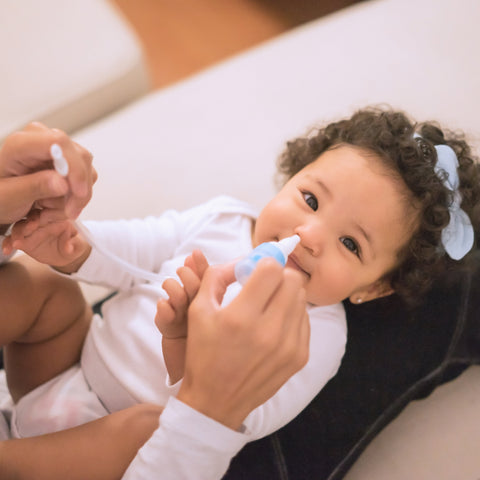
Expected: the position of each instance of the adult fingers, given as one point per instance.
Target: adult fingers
(27, 151)
(259, 288)
(287, 321)
(17, 194)
(288, 297)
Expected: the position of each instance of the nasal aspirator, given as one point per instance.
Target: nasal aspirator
(278, 250)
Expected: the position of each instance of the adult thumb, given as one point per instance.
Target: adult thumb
(39, 185)
(17, 194)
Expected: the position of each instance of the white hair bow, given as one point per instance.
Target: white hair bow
(457, 236)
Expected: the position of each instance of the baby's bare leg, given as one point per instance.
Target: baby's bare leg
(43, 324)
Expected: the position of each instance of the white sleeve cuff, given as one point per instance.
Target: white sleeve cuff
(201, 428)
(172, 388)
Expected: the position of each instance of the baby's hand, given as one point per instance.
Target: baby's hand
(57, 244)
(171, 317)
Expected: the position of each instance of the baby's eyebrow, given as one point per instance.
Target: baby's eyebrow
(367, 237)
(322, 185)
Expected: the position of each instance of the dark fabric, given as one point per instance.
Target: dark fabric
(97, 307)
(393, 356)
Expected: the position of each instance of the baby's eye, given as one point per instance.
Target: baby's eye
(351, 245)
(310, 200)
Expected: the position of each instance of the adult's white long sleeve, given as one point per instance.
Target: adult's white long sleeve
(187, 445)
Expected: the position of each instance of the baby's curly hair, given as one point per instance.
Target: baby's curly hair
(390, 135)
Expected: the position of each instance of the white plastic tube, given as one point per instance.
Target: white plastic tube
(61, 166)
(279, 250)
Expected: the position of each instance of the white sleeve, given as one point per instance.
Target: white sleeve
(145, 243)
(187, 445)
(328, 336)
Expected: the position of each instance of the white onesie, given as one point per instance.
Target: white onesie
(122, 361)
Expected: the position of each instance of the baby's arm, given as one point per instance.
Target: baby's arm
(171, 317)
(57, 244)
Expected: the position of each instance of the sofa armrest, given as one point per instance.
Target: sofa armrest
(66, 63)
(434, 438)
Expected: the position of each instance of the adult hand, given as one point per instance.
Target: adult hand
(57, 244)
(27, 177)
(240, 355)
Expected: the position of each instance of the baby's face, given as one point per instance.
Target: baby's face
(352, 220)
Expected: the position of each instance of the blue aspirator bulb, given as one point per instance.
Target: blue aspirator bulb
(277, 250)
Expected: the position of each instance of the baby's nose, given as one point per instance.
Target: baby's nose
(311, 237)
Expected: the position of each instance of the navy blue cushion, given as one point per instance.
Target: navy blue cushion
(393, 356)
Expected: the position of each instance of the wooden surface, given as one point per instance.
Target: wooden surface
(181, 37)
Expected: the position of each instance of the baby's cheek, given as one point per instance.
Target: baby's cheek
(328, 288)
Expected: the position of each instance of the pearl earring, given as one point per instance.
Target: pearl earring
(359, 300)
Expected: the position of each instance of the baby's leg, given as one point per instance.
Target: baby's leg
(43, 324)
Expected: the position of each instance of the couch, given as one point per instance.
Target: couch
(221, 130)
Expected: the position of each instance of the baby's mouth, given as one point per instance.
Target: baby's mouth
(292, 262)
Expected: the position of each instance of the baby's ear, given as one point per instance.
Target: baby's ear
(379, 289)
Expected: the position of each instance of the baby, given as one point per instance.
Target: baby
(381, 206)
